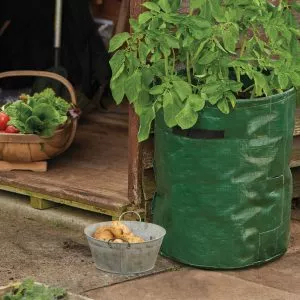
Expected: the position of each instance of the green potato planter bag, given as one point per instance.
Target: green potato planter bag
(225, 200)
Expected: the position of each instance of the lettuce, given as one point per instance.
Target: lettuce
(41, 114)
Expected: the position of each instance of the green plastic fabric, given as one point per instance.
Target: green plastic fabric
(226, 202)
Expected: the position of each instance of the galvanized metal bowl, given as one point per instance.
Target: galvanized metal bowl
(127, 258)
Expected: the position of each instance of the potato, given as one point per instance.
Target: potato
(105, 235)
(120, 225)
(117, 232)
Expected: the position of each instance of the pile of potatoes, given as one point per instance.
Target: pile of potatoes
(117, 232)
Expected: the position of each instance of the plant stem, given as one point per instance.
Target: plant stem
(174, 61)
(252, 94)
(248, 88)
(243, 47)
(166, 66)
(188, 68)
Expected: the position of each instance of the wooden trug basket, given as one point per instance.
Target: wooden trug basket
(30, 151)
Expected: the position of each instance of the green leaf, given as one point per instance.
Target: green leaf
(145, 17)
(151, 6)
(147, 76)
(117, 87)
(217, 10)
(132, 62)
(34, 125)
(29, 290)
(199, 49)
(208, 58)
(234, 86)
(182, 88)
(171, 41)
(187, 117)
(157, 90)
(283, 80)
(231, 98)
(142, 101)
(261, 85)
(171, 106)
(146, 118)
(133, 86)
(18, 124)
(223, 106)
(295, 78)
(118, 40)
(18, 110)
(211, 88)
(117, 63)
(194, 4)
(144, 51)
(165, 5)
(230, 38)
(48, 96)
(175, 4)
(45, 112)
(196, 102)
(156, 56)
(214, 99)
(134, 25)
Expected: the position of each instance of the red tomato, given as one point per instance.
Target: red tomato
(4, 118)
(11, 129)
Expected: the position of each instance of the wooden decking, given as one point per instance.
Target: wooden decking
(92, 174)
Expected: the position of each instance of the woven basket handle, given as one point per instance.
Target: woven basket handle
(54, 76)
(51, 75)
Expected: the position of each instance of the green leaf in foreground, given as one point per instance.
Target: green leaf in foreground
(172, 106)
(187, 117)
(151, 6)
(29, 290)
(118, 40)
(146, 118)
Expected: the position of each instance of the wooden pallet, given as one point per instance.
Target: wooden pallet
(296, 179)
(91, 175)
(297, 122)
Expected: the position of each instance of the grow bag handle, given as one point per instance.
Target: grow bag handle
(130, 212)
(62, 80)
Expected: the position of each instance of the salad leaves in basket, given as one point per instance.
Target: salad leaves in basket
(39, 114)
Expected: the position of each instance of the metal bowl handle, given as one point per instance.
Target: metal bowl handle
(130, 212)
(110, 244)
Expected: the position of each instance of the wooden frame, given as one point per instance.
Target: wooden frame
(134, 148)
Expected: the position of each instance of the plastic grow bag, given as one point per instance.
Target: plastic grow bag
(225, 200)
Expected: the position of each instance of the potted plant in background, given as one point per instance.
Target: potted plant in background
(219, 83)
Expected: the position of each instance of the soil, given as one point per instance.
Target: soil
(54, 255)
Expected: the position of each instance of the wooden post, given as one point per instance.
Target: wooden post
(134, 148)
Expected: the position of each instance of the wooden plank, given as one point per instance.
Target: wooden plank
(92, 172)
(148, 153)
(295, 159)
(118, 120)
(297, 122)
(41, 204)
(67, 202)
(296, 180)
(134, 148)
(149, 185)
(123, 16)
